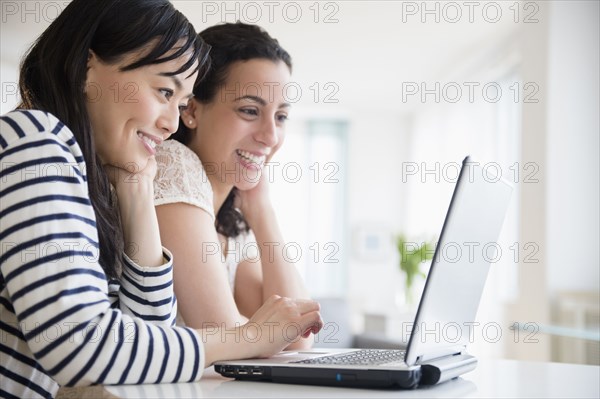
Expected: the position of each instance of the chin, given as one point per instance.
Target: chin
(136, 165)
(246, 185)
(243, 187)
(250, 179)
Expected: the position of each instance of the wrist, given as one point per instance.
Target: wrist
(220, 346)
(134, 189)
(136, 209)
(258, 214)
(140, 225)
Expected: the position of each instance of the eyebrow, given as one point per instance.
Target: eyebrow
(260, 101)
(175, 79)
(177, 82)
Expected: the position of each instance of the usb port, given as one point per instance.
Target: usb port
(256, 372)
(242, 372)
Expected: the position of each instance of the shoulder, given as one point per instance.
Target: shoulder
(21, 124)
(181, 177)
(172, 152)
(174, 157)
(36, 131)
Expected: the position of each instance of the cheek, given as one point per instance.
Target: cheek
(142, 109)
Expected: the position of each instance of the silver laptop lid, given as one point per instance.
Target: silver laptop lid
(459, 267)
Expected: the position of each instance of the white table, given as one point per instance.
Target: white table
(491, 378)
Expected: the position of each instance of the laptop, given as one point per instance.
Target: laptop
(436, 349)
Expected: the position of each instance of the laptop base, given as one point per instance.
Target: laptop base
(369, 378)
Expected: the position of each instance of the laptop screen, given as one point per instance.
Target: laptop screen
(446, 314)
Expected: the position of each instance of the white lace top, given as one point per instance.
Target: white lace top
(182, 178)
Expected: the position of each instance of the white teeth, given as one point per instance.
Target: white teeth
(147, 140)
(258, 159)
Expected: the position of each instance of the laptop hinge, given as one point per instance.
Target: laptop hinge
(446, 368)
(440, 353)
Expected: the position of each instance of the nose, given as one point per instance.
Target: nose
(268, 134)
(168, 122)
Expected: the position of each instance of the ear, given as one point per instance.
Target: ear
(91, 70)
(188, 115)
(92, 59)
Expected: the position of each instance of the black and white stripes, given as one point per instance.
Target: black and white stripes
(61, 321)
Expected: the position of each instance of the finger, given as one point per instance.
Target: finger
(270, 156)
(311, 322)
(151, 167)
(306, 305)
(312, 330)
(275, 149)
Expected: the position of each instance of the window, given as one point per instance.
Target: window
(308, 191)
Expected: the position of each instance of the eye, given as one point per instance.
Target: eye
(183, 107)
(249, 111)
(168, 93)
(281, 118)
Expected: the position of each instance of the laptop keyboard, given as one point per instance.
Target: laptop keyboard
(371, 357)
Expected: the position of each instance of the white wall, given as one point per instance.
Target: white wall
(573, 147)
(10, 89)
(560, 134)
(378, 143)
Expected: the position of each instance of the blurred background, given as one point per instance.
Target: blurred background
(388, 98)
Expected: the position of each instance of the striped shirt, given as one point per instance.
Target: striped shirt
(62, 322)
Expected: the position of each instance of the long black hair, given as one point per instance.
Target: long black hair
(53, 75)
(231, 42)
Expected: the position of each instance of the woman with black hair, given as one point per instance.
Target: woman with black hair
(86, 292)
(212, 199)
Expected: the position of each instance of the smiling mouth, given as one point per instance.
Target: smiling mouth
(151, 143)
(257, 159)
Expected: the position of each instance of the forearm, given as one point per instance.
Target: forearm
(140, 225)
(223, 346)
(280, 277)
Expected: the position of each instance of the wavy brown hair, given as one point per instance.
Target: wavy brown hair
(231, 42)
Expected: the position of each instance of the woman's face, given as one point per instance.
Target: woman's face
(243, 126)
(131, 112)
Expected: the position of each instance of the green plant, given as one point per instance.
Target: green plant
(411, 256)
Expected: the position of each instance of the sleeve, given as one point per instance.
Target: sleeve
(49, 268)
(147, 292)
(181, 177)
